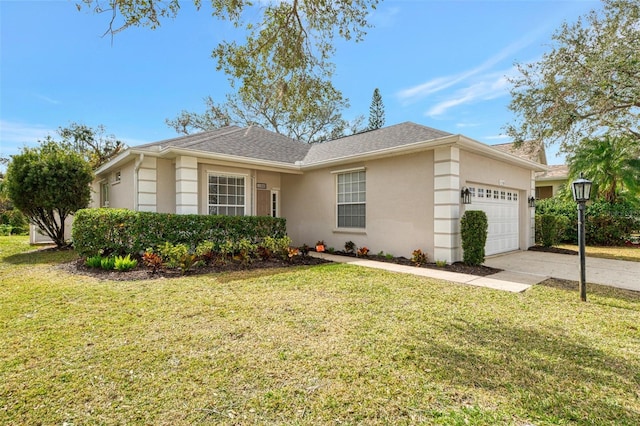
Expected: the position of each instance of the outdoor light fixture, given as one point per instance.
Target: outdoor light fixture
(581, 189)
(465, 194)
(532, 201)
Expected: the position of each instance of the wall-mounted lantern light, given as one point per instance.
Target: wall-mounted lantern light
(465, 194)
(532, 201)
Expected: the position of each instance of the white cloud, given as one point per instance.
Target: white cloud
(46, 99)
(496, 137)
(15, 133)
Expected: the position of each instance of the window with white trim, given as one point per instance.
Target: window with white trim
(227, 195)
(351, 199)
(104, 194)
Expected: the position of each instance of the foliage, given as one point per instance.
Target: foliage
(276, 246)
(48, 183)
(176, 256)
(587, 83)
(122, 231)
(94, 145)
(205, 251)
(93, 261)
(376, 111)
(605, 223)
(362, 252)
(349, 247)
(280, 72)
(107, 263)
(473, 230)
(550, 229)
(13, 220)
(123, 264)
(612, 164)
(245, 250)
(152, 260)
(304, 250)
(5, 230)
(418, 257)
(441, 263)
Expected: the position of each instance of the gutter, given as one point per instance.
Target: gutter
(135, 181)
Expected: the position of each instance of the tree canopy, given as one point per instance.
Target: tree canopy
(612, 163)
(280, 72)
(587, 85)
(48, 183)
(94, 145)
(376, 111)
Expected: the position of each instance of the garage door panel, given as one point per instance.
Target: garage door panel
(501, 208)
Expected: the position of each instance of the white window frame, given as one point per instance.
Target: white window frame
(105, 189)
(274, 203)
(245, 177)
(339, 173)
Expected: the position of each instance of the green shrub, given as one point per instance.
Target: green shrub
(473, 230)
(276, 246)
(123, 264)
(107, 263)
(245, 250)
(550, 229)
(349, 247)
(94, 262)
(122, 231)
(5, 230)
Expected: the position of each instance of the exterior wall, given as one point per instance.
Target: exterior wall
(399, 206)
(147, 184)
(121, 194)
(556, 185)
(166, 184)
(476, 169)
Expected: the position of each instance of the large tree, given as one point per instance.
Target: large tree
(48, 183)
(95, 145)
(376, 111)
(587, 85)
(281, 71)
(612, 164)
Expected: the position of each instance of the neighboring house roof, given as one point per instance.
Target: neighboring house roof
(555, 172)
(532, 151)
(261, 147)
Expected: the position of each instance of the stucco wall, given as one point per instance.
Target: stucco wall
(166, 185)
(121, 195)
(399, 207)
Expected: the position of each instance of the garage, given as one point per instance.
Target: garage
(501, 207)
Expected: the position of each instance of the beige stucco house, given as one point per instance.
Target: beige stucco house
(394, 189)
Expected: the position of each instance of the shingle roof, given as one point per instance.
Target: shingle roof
(527, 150)
(371, 141)
(250, 142)
(560, 171)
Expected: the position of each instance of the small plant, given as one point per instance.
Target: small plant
(123, 264)
(204, 251)
(172, 255)
(94, 262)
(380, 253)
(152, 260)
(304, 250)
(418, 258)
(320, 246)
(245, 250)
(224, 250)
(107, 263)
(292, 252)
(389, 256)
(362, 252)
(349, 247)
(441, 263)
(5, 230)
(331, 250)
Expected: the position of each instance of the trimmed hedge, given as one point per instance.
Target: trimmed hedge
(550, 229)
(120, 231)
(473, 229)
(605, 224)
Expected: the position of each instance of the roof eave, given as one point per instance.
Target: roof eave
(488, 150)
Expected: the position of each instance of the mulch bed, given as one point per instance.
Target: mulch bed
(556, 250)
(143, 273)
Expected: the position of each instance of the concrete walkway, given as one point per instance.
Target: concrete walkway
(614, 273)
(505, 281)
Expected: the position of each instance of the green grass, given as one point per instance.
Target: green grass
(331, 344)
(621, 253)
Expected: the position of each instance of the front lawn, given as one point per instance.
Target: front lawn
(328, 344)
(631, 253)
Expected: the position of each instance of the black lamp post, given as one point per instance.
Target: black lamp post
(581, 192)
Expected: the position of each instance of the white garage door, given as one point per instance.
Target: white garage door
(501, 207)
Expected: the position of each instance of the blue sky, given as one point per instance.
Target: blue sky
(438, 63)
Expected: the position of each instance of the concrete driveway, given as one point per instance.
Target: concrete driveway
(615, 273)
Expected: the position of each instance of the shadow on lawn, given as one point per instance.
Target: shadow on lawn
(550, 374)
(592, 289)
(41, 256)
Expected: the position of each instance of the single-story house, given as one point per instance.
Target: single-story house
(549, 181)
(394, 189)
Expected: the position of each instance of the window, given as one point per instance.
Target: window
(472, 190)
(274, 204)
(117, 177)
(480, 192)
(104, 194)
(352, 199)
(226, 195)
(508, 196)
(502, 195)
